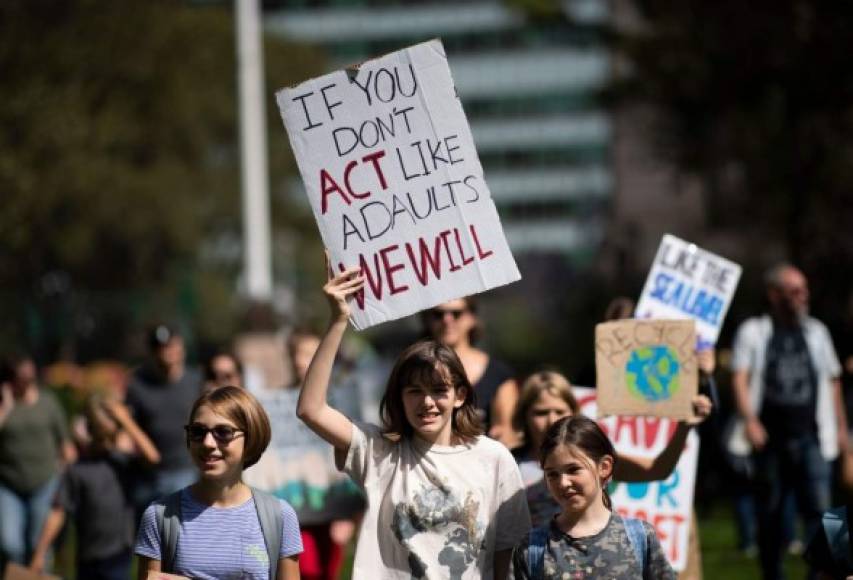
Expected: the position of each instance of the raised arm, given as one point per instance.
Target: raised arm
(313, 407)
(141, 441)
(631, 468)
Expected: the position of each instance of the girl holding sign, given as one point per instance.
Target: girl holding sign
(586, 539)
(547, 397)
(443, 500)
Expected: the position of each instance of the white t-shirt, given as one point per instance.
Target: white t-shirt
(434, 511)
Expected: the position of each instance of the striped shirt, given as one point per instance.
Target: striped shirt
(219, 543)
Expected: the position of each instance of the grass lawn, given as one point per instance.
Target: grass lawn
(720, 556)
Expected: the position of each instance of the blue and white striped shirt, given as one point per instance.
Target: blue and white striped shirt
(219, 543)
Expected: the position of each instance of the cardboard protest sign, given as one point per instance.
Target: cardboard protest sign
(395, 184)
(666, 504)
(646, 367)
(686, 281)
(18, 572)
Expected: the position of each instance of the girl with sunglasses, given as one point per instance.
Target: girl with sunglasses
(443, 501)
(220, 531)
(456, 324)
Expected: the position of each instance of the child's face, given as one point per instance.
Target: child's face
(574, 480)
(544, 412)
(216, 445)
(429, 409)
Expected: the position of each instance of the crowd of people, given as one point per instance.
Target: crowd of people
(468, 474)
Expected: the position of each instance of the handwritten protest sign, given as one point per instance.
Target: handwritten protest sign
(667, 504)
(395, 184)
(646, 367)
(686, 281)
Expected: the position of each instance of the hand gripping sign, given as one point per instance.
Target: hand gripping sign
(395, 184)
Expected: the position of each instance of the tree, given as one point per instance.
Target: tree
(119, 165)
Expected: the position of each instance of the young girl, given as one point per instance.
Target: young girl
(547, 397)
(96, 492)
(220, 520)
(444, 501)
(586, 539)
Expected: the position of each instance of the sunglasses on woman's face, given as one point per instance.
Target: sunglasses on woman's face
(438, 314)
(222, 433)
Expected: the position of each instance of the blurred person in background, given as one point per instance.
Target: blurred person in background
(791, 415)
(223, 369)
(96, 492)
(160, 395)
(34, 447)
(299, 468)
(457, 325)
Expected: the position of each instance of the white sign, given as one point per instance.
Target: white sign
(668, 504)
(393, 178)
(686, 281)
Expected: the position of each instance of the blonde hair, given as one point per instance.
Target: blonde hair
(552, 382)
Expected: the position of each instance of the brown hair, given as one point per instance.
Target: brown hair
(244, 410)
(431, 362)
(580, 433)
(552, 382)
(619, 308)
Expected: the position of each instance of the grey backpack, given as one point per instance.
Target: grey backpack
(168, 515)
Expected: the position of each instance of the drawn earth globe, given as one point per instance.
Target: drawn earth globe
(651, 373)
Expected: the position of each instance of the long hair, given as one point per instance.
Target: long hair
(580, 433)
(429, 361)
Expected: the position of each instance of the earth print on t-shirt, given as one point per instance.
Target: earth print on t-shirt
(440, 511)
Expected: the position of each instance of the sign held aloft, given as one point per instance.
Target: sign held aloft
(686, 281)
(395, 184)
(646, 367)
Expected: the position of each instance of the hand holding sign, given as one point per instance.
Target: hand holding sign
(339, 289)
(395, 184)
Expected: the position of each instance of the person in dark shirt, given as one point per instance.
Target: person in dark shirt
(160, 396)
(95, 491)
(788, 397)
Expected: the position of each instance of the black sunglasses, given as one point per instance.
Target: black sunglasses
(222, 433)
(438, 313)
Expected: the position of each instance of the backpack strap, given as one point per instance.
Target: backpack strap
(637, 538)
(835, 526)
(168, 515)
(269, 514)
(536, 543)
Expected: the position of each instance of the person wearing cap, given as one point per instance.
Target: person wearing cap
(160, 394)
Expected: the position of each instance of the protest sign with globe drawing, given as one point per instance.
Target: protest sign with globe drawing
(646, 367)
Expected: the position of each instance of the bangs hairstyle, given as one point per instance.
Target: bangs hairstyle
(429, 362)
(241, 408)
(580, 433)
(555, 384)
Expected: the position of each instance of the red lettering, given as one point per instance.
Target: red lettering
(328, 186)
(374, 159)
(667, 527)
(389, 270)
(433, 260)
(350, 166)
(465, 261)
(482, 255)
(453, 265)
(629, 423)
(375, 284)
(650, 431)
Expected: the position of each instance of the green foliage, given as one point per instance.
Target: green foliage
(119, 161)
(757, 100)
